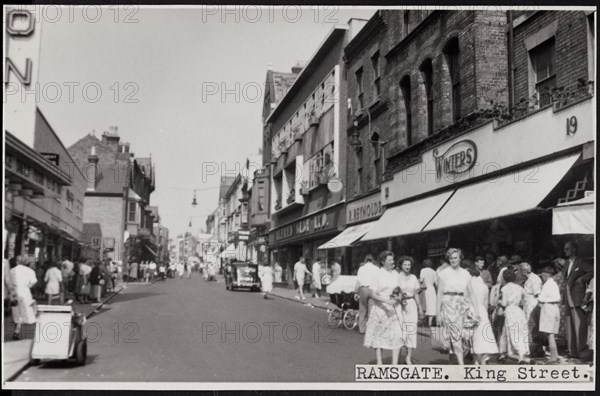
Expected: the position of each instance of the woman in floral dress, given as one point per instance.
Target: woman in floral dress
(410, 308)
(514, 340)
(453, 304)
(384, 324)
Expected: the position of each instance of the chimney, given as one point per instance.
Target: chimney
(92, 165)
(269, 66)
(111, 137)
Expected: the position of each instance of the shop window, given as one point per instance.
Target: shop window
(452, 58)
(543, 58)
(359, 87)
(375, 61)
(427, 74)
(407, 106)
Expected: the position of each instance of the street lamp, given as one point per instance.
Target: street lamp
(194, 201)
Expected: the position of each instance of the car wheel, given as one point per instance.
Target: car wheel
(81, 352)
(34, 362)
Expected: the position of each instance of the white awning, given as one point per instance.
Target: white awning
(513, 193)
(230, 252)
(348, 236)
(407, 219)
(576, 217)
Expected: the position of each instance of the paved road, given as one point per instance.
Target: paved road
(196, 331)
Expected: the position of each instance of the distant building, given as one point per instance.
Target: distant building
(117, 195)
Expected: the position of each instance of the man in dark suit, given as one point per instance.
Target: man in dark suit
(577, 274)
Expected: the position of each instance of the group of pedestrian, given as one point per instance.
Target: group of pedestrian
(59, 281)
(515, 314)
(146, 271)
(301, 274)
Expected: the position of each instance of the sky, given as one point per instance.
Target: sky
(183, 85)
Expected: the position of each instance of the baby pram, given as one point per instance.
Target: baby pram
(342, 292)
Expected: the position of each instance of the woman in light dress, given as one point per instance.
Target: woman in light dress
(483, 341)
(53, 279)
(384, 325)
(278, 271)
(429, 279)
(22, 279)
(409, 304)
(549, 299)
(316, 278)
(300, 271)
(514, 341)
(453, 304)
(265, 274)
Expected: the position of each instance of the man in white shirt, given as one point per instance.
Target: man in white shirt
(549, 300)
(152, 269)
(366, 276)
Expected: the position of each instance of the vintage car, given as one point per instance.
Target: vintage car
(242, 275)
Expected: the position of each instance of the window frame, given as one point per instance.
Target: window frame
(376, 64)
(359, 75)
(405, 88)
(542, 94)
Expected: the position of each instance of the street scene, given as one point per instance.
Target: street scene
(285, 197)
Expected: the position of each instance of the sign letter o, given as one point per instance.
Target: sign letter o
(21, 29)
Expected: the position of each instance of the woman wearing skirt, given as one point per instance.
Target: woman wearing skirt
(384, 324)
(514, 340)
(453, 304)
(409, 304)
(483, 341)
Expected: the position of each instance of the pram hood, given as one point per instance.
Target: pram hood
(343, 284)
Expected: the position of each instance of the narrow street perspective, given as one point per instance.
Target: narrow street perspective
(299, 197)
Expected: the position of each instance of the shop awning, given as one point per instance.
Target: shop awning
(576, 217)
(230, 252)
(348, 236)
(152, 251)
(510, 194)
(407, 219)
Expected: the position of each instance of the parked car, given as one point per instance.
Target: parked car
(242, 275)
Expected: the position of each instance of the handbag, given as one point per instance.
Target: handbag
(85, 289)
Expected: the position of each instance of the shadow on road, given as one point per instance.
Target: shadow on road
(61, 364)
(132, 296)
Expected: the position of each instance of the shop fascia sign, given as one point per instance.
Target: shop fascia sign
(364, 209)
(488, 150)
(457, 159)
(315, 223)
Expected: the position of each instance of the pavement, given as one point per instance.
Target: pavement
(190, 330)
(310, 302)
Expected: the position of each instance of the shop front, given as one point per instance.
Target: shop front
(361, 215)
(302, 238)
(485, 194)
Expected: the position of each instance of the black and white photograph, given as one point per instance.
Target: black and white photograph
(299, 197)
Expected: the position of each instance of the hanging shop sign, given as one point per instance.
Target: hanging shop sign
(52, 157)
